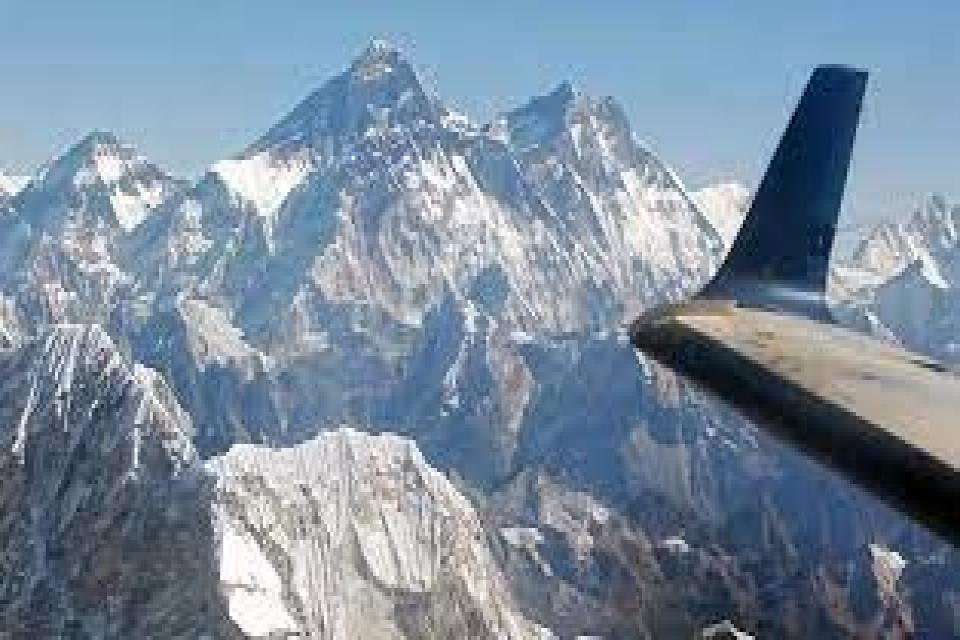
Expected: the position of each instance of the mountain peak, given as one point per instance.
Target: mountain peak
(98, 155)
(554, 105)
(891, 246)
(116, 181)
(99, 138)
(377, 50)
(935, 222)
(379, 92)
(382, 64)
(95, 144)
(546, 116)
(566, 92)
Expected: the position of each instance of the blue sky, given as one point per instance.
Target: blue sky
(708, 84)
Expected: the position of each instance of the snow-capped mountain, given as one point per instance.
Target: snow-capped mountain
(370, 190)
(903, 281)
(378, 260)
(927, 234)
(367, 206)
(62, 249)
(553, 217)
(100, 181)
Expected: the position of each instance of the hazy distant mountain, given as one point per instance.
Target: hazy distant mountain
(903, 281)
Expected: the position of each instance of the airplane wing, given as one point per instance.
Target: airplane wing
(760, 334)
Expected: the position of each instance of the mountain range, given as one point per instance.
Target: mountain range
(368, 378)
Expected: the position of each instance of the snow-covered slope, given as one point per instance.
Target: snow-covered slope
(11, 185)
(355, 536)
(928, 233)
(725, 205)
(262, 181)
(903, 281)
(63, 250)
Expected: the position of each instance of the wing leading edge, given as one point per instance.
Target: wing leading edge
(760, 334)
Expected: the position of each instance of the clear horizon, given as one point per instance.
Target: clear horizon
(709, 89)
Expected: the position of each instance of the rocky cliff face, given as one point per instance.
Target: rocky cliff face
(112, 527)
(99, 528)
(355, 536)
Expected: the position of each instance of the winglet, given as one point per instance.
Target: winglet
(779, 259)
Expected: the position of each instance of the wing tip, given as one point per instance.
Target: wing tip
(780, 256)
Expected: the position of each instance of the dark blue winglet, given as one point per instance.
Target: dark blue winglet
(779, 259)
